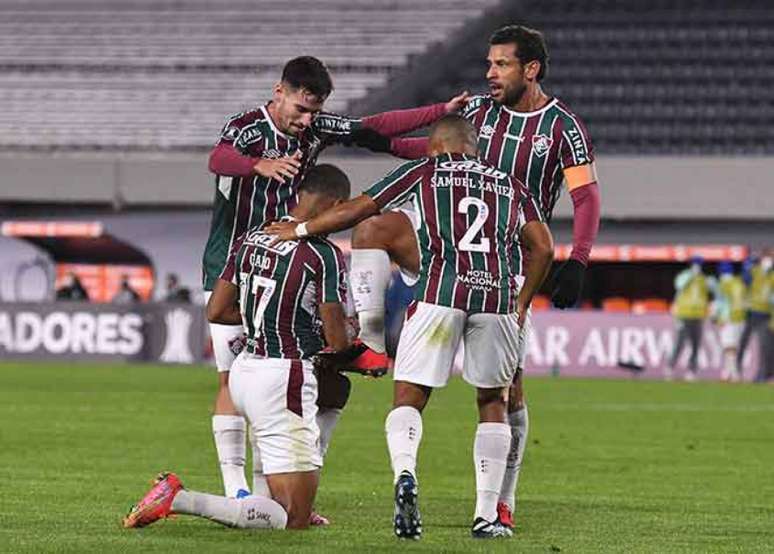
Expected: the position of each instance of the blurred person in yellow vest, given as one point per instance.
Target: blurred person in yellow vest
(761, 286)
(728, 311)
(690, 307)
(767, 348)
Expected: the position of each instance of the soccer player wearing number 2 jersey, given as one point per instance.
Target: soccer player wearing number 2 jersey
(472, 218)
(525, 133)
(260, 159)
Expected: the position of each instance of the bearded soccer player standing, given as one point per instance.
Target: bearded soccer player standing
(472, 217)
(259, 160)
(528, 134)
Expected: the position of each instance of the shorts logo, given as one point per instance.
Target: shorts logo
(487, 131)
(237, 344)
(541, 144)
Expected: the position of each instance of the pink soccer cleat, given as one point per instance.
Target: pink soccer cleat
(504, 515)
(157, 503)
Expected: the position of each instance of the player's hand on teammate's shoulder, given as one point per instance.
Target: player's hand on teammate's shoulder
(282, 230)
(458, 102)
(280, 169)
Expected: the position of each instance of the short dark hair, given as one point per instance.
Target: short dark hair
(530, 45)
(456, 126)
(309, 73)
(326, 179)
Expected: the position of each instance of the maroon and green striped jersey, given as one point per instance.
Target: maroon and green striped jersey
(245, 202)
(533, 146)
(471, 216)
(280, 289)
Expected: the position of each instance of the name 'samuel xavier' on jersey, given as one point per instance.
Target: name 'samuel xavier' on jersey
(471, 215)
(280, 289)
(532, 146)
(242, 203)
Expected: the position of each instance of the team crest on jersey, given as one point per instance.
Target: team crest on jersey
(541, 144)
(487, 131)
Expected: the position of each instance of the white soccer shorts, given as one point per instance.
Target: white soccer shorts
(227, 341)
(431, 335)
(730, 334)
(279, 399)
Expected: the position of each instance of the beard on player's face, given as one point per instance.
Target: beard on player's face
(296, 109)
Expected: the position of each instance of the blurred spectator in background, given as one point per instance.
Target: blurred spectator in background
(728, 311)
(72, 289)
(761, 286)
(767, 349)
(692, 292)
(126, 294)
(176, 292)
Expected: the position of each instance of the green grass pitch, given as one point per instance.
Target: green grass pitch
(612, 466)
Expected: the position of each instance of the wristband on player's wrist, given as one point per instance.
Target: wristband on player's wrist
(301, 231)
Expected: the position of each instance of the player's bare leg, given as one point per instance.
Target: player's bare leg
(295, 492)
(518, 420)
(404, 433)
(375, 242)
(490, 454)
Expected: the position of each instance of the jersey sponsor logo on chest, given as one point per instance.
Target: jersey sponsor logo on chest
(541, 144)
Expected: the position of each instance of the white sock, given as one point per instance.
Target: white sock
(327, 418)
(490, 452)
(260, 484)
(229, 434)
(369, 278)
(519, 423)
(253, 512)
(404, 432)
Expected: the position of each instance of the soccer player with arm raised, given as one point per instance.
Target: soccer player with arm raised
(260, 159)
(472, 217)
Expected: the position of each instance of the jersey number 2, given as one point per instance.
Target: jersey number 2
(482, 212)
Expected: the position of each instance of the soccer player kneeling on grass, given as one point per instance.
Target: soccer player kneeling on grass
(472, 219)
(282, 294)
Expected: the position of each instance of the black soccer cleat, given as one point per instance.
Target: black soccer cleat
(483, 529)
(408, 522)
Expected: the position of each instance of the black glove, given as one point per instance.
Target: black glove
(567, 284)
(367, 138)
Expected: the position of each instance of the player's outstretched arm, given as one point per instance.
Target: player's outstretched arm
(537, 238)
(582, 183)
(340, 217)
(399, 122)
(223, 306)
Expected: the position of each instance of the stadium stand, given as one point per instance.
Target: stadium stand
(649, 77)
(143, 74)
